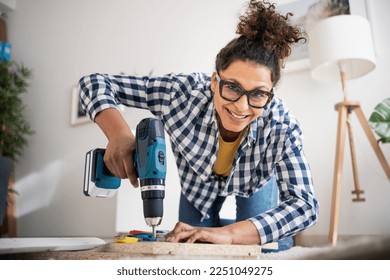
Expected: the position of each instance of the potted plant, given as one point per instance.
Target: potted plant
(380, 121)
(14, 127)
(5, 172)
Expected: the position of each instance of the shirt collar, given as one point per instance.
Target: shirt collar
(252, 133)
(211, 115)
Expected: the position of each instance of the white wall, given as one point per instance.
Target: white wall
(64, 40)
(7, 5)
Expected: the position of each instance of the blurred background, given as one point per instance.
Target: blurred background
(63, 40)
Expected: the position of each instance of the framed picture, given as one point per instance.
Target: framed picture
(77, 115)
(306, 14)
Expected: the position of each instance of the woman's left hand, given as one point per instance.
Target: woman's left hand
(189, 234)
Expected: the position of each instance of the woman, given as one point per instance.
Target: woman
(229, 135)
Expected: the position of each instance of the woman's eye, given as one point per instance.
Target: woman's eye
(234, 88)
(258, 94)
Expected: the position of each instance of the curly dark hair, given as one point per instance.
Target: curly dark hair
(265, 38)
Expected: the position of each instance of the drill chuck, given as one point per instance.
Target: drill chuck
(152, 196)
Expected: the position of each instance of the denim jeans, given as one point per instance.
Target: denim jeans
(263, 200)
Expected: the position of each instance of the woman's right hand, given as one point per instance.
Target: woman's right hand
(121, 144)
(119, 156)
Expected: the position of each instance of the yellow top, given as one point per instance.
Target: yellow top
(225, 157)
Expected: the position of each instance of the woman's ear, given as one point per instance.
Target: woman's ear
(214, 82)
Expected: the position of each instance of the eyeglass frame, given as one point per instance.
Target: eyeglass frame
(242, 91)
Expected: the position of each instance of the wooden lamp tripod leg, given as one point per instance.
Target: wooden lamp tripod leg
(357, 191)
(373, 141)
(340, 144)
(345, 109)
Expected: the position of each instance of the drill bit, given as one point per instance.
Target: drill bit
(154, 232)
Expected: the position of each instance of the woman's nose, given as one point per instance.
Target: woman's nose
(242, 103)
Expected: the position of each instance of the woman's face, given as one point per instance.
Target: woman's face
(234, 117)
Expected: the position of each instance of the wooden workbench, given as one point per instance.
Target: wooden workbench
(146, 250)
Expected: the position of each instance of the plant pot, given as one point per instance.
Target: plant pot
(5, 172)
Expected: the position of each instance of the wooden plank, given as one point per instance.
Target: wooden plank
(167, 248)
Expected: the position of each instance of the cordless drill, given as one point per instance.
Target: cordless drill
(149, 164)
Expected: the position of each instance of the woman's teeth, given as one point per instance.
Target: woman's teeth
(237, 116)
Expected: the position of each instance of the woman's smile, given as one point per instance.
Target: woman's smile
(237, 115)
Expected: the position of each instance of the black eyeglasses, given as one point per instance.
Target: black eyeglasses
(233, 92)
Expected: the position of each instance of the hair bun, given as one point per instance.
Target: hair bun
(264, 24)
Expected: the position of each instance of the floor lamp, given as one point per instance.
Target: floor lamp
(341, 49)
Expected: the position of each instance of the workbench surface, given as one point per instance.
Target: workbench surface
(147, 250)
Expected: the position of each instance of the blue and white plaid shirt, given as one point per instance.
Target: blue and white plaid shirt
(272, 144)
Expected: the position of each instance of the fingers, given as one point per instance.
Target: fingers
(183, 232)
(119, 160)
(180, 231)
(180, 226)
(130, 171)
(197, 235)
(189, 234)
(182, 236)
(122, 168)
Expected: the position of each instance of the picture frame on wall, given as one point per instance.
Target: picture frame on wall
(77, 115)
(307, 13)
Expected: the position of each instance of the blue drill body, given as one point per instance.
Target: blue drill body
(150, 151)
(150, 164)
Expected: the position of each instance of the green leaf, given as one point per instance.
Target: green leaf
(380, 121)
(14, 125)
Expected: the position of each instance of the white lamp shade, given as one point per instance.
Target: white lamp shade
(341, 42)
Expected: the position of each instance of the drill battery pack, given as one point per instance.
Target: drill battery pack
(98, 180)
